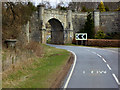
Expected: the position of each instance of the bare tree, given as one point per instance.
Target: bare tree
(14, 15)
(62, 5)
(46, 4)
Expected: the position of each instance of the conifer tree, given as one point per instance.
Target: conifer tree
(100, 35)
(107, 8)
(89, 27)
(84, 9)
(101, 7)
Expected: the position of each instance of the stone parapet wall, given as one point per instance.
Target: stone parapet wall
(110, 22)
(55, 11)
(78, 20)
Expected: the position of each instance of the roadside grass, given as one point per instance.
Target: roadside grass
(4, 55)
(38, 73)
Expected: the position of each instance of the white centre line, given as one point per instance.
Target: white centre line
(99, 55)
(88, 50)
(83, 72)
(94, 52)
(104, 60)
(91, 71)
(109, 67)
(116, 79)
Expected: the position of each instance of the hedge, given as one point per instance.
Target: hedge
(101, 42)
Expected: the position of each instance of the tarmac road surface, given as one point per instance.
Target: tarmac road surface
(94, 68)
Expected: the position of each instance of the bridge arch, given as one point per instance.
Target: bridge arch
(61, 22)
(57, 31)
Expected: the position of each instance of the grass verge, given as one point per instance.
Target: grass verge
(37, 73)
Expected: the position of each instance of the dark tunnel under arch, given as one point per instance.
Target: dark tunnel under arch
(57, 31)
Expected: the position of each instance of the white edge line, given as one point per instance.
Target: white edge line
(109, 67)
(68, 79)
(116, 79)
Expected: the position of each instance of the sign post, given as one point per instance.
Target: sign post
(81, 37)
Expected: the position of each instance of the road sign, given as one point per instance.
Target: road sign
(81, 36)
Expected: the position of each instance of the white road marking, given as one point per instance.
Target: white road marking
(91, 71)
(99, 55)
(107, 50)
(102, 72)
(94, 52)
(83, 72)
(116, 79)
(103, 49)
(109, 67)
(68, 79)
(97, 72)
(88, 50)
(104, 60)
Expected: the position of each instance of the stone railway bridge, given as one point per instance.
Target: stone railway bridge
(61, 25)
(65, 23)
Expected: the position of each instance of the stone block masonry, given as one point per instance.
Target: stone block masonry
(65, 23)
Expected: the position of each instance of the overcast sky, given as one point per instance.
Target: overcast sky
(52, 2)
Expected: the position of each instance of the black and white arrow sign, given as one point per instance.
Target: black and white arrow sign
(81, 36)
